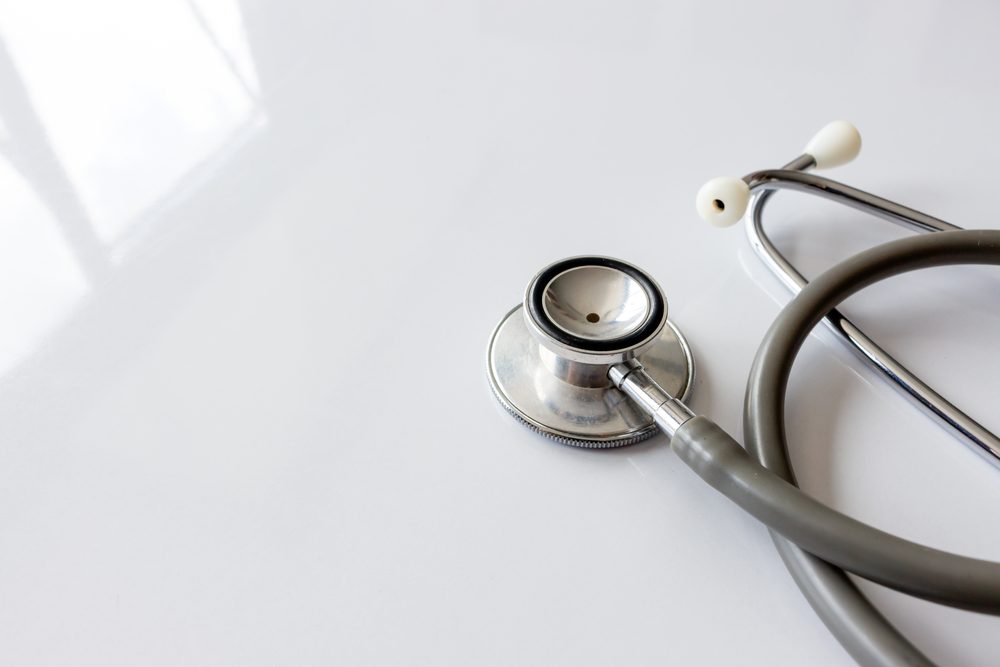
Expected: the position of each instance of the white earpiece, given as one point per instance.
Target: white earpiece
(837, 143)
(723, 201)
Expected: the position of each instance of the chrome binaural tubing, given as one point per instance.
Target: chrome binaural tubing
(793, 177)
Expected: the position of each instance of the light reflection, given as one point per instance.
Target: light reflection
(40, 276)
(133, 96)
(109, 114)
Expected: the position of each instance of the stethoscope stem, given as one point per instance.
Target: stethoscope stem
(669, 412)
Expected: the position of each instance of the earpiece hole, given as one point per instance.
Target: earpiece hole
(719, 205)
(593, 318)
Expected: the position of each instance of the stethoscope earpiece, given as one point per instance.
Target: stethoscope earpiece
(722, 201)
(836, 144)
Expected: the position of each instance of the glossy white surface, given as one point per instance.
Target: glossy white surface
(251, 253)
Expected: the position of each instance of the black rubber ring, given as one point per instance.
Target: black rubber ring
(652, 323)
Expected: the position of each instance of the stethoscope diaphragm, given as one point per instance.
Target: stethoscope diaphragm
(548, 359)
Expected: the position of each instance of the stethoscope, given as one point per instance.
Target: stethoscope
(591, 359)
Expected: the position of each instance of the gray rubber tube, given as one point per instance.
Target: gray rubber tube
(860, 628)
(811, 537)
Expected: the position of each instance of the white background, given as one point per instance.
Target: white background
(250, 255)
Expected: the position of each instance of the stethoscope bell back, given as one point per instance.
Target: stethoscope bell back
(549, 357)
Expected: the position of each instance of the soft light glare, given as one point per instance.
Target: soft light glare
(133, 95)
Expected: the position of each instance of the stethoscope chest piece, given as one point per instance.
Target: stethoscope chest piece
(548, 359)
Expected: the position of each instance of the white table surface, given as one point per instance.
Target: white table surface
(250, 255)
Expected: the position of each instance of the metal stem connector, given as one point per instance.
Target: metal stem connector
(668, 412)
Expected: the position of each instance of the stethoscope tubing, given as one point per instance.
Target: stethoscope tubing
(817, 543)
(928, 573)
